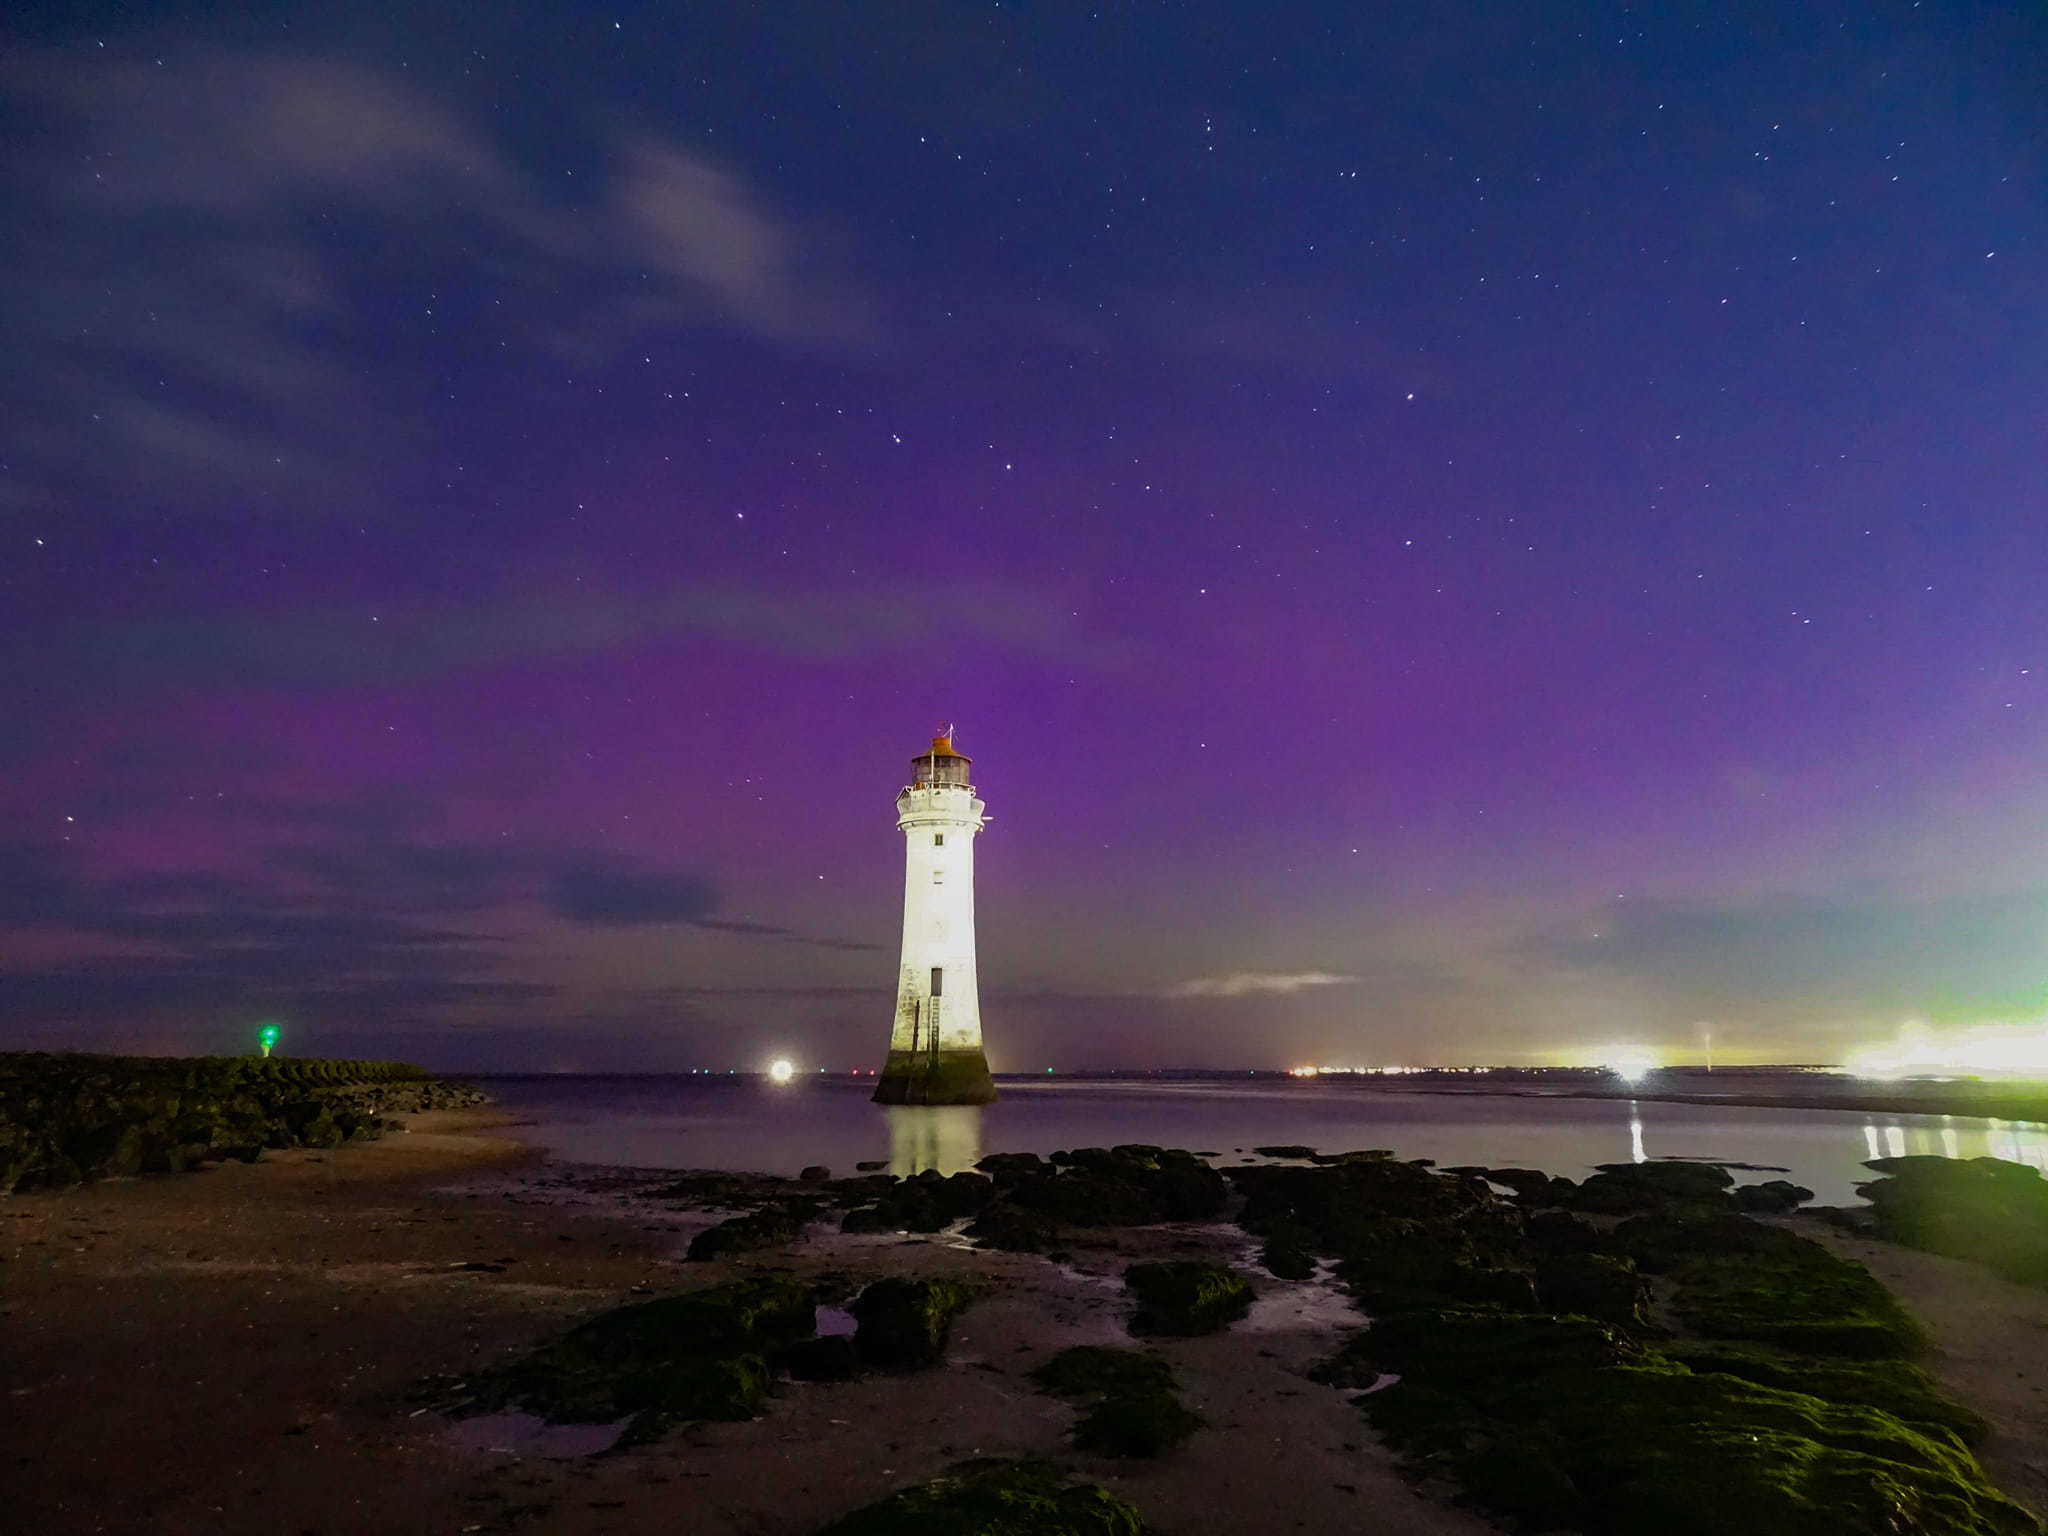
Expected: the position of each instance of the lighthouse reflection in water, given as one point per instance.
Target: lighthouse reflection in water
(942, 1138)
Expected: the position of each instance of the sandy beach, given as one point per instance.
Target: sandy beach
(242, 1350)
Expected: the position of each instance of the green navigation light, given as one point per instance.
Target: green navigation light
(267, 1037)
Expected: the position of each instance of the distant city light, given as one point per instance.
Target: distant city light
(782, 1069)
(1994, 1050)
(1631, 1063)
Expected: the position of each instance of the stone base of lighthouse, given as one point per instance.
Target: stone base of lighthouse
(949, 1077)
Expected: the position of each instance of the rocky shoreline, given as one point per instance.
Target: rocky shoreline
(1119, 1339)
(70, 1117)
(1641, 1353)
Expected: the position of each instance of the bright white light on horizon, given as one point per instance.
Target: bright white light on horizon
(782, 1069)
(1630, 1063)
(1994, 1050)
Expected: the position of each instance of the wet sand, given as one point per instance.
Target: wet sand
(239, 1350)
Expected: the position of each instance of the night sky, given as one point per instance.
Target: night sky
(1450, 533)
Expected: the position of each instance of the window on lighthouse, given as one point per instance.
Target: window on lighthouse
(938, 877)
(938, 839)
(938, 981)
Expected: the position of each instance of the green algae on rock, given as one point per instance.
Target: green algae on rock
(705, 1354)
(1900, 1388)
(1741, 1279)
(1186, 1296)
(1564, 1421)
(1982, 1208)
(1137, 1408)
(901, 1325)
(1004, 1498)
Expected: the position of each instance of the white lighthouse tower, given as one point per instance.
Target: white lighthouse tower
(935, 1054)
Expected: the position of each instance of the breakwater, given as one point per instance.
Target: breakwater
(68, 1117)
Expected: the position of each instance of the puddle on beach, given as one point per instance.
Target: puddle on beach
(836, 1322)
(526, 1434)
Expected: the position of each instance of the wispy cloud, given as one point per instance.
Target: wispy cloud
(244, 226)
(1252, 983)
(343, 647)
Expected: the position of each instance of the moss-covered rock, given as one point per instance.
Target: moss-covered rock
(706, 1354)
(1124, 1186)
(1531, 1186)
(1559, 1232)
(1980, 1208)
(1741, 1279)
(1289, 1252)
(927, 1202)
(1594, 1285)
(1554, 1425)
(1186, 1296)
(1136, 1424)
(1900, 1388)
(995, 1499)
(1014, 1229)
(1773, 1197)
(1136, 1406)
(1623, 1188)
(1478, 1352)
(902, 1325)
(1665, 1452)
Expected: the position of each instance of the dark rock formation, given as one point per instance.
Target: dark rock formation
(1136, 1409)
(903, 1324)
(68, 1117)
(706, 1354)
(1773, 1197)
(774, 1225)
(1186, 1296)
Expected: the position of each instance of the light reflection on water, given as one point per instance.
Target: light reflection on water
(743, 1123)
(945, 1138)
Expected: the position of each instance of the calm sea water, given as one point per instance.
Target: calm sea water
(749, 1123)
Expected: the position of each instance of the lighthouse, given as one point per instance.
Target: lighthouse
(935, 1054)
